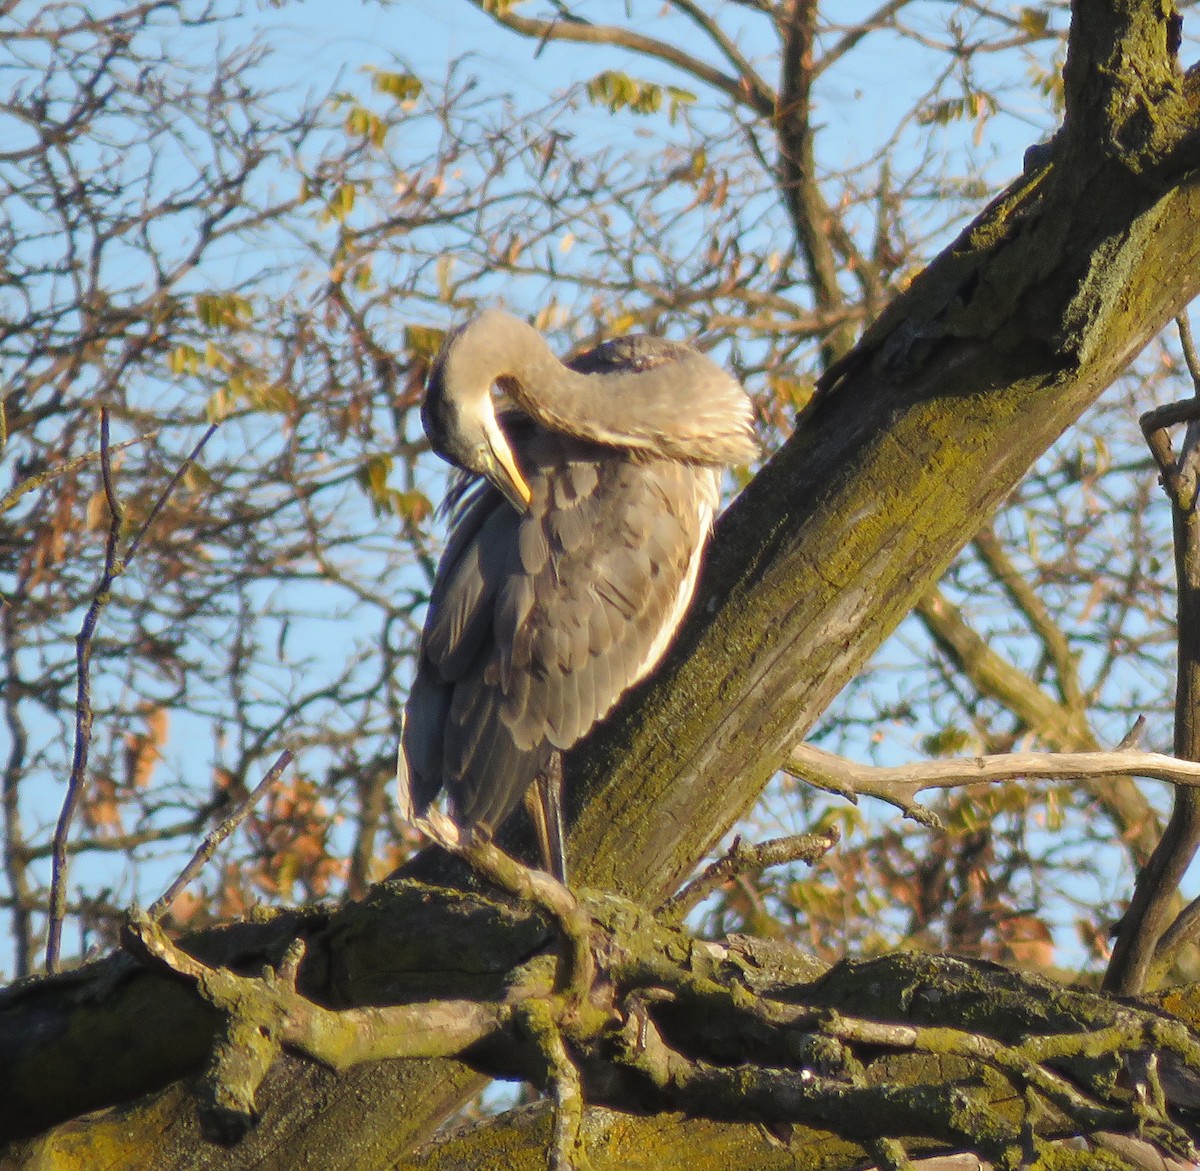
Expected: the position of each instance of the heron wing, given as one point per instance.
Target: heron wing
(540, 622)
(456, 626)
(592, 615)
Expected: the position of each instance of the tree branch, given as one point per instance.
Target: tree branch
(899, 784)
(1141, 930)
(812, 218)
(114, 566)
(83, 701)
(672, 1023)
(214, 838)
(739, 90)
(748, 858)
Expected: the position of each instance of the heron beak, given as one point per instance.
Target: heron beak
(505, 475)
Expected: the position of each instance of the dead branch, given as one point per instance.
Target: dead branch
(899, 784)
(216, 836)
(747, 858)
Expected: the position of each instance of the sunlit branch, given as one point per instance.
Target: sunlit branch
(216, 836)
(733, 88)
(900, 784)
(114, 566)
(743, 858)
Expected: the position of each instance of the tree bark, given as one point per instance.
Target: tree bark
(913, 439)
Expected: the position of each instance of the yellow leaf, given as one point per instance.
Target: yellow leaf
(423, 341)
(342, 202)
(183, 360)
(404, 87)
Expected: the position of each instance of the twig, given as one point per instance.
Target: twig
(1183, 932)
(1188, 345)
(216, 836)
(1133, 737)
(83, 704)
(114, 566)
(165, 494)
(10, 498)
(741, 90)
(742, 858)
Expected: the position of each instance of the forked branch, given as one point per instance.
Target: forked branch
(1133, 962)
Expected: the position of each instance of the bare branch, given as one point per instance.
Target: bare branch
(216, 836)
(1141, 930)
(167, 491)
(878, 19)
(114, 566)
(750, 77)
(812, 217)
(10, 498)
(83, 703)
(745, 858)
(899, 784)
(737, 89)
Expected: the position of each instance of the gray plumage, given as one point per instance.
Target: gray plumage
(575, 542)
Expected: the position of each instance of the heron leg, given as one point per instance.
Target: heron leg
(546, 809)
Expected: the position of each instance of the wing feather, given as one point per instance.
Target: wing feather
(540, 622)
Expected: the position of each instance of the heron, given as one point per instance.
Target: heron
(577, 525)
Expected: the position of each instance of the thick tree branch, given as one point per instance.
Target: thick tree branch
(114, 566)
(719, 1030)
(914, 437)
(963, 381)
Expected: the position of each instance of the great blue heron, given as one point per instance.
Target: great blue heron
(574, 549)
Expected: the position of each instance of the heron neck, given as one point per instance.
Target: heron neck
(685, 408)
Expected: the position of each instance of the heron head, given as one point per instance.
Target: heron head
(460, 420)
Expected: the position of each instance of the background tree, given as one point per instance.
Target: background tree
(1031, 640)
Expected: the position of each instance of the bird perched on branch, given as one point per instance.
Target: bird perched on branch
(576, 537)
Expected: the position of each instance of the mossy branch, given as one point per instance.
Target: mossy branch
(935, 1052)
